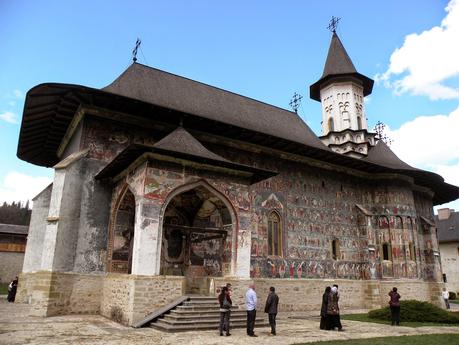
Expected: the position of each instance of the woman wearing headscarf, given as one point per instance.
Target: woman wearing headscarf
(323, 309)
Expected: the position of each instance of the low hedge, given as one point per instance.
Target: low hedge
(417, 311)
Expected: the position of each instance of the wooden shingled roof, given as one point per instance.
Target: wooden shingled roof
(188, 96)
(181, 145)
(155, 96)
(339, 66)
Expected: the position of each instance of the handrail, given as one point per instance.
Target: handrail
(159, 312)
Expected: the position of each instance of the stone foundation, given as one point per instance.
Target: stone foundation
(129, 298)
(306, 294)
(123, 298)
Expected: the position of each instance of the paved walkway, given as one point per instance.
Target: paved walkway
(16, 327)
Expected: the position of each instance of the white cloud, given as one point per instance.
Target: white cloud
(426, 60)
(428, 141)
(9, 117)
(18, 93)
(21, 187)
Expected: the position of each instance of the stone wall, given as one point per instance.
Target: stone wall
(450, 264)
(306, 294)
(10, 265)
(123, 298)
(53, 293)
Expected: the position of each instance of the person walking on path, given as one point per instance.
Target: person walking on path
(251, 305)
(271, 308)
(333, 319)
(323, 309)
(225, 302)
(394, 305)
(445, 295)
(12, 289)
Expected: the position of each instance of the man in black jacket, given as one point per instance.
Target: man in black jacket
(271, 308)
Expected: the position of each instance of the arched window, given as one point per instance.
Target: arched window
(274, 234)
(359, 122)
(331, 125)
(335, 249)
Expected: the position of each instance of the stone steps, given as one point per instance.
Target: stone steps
(201, 313)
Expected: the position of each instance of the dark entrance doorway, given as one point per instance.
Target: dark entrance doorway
(197, 229)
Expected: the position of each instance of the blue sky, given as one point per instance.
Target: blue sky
(266, 50)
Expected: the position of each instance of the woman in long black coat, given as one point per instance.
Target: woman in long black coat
(323, 309)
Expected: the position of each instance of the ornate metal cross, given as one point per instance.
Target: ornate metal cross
(295, 102)
(333, 24)
(381, 133)
(134, 51)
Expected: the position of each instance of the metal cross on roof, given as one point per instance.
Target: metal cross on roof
(134, 51)
(381, 133)
(333, 24)
(295, 102)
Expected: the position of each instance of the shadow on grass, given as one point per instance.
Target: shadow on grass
(365, 318)
(425, 339)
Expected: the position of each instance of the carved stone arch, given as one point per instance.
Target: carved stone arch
(113, 264)
(215, 192)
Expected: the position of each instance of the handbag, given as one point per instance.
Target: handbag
(226, 304)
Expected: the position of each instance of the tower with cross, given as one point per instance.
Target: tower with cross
(341, 90)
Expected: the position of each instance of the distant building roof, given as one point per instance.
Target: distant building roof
(448, 228)
(14, 229)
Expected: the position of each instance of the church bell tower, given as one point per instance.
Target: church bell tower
(341, 91)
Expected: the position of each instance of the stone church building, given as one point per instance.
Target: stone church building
(165, 186)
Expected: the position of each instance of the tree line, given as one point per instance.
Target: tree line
(15, 213)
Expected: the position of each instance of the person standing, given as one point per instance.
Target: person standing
(12, 289)
(333, 310)
(394, 305)
(225, 310)
(271, 308)
(251, 305)
(338, 317)
(445, 295)
(323, 309)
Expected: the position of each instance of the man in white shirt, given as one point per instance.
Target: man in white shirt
(445, 295)
(251, 305)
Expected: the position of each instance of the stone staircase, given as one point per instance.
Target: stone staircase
(201, 313)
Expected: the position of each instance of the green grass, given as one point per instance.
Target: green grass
(366, 318)
(3, 288)
(425, 339)
(455, 301)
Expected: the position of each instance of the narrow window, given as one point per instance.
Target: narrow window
(386, 251)
(335, 249)
(331, 125)
(412, 252)
(274, 235)
(359, 122)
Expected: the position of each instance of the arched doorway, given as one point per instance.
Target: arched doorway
(197, 237)
(123, 234)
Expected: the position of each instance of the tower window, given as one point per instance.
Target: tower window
(274, 234)
(331, 125)
(359, 122)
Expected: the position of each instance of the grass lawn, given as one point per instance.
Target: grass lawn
(455, 301)
(365, 318)
(3, 288)
(426, 339)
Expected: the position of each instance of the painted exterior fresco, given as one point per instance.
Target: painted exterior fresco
(316, 206)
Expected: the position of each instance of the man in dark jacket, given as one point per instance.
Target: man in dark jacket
(271, 308)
